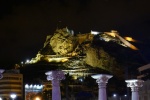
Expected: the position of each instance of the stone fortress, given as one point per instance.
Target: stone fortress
(78, 53)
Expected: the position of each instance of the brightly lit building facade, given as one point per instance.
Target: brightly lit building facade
(11, 83)
(43, 91)
(32, 90)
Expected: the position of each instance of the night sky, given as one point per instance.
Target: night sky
(24, 24)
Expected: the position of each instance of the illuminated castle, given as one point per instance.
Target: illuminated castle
(77, 54)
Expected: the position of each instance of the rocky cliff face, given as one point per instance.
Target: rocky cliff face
(63, 43)
(98, 58)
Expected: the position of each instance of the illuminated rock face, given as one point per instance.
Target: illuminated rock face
(64, 46)
(63, 42)
(97, 57)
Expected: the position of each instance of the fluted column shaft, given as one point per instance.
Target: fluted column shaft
(102, 91)
(134, 85)
(102, 80)
(55, 77)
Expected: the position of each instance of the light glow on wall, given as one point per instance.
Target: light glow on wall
(33, 86)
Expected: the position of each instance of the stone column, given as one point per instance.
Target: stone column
(55, 77)
(1, 71)
(102, 80)
(134, 84)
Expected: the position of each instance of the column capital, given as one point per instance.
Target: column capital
(101, 78)
(55, 75)
(134, 84)
(1, 71)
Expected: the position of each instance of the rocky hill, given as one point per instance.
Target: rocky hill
(68, 48)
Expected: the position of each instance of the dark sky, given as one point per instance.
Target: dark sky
(24, 24)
